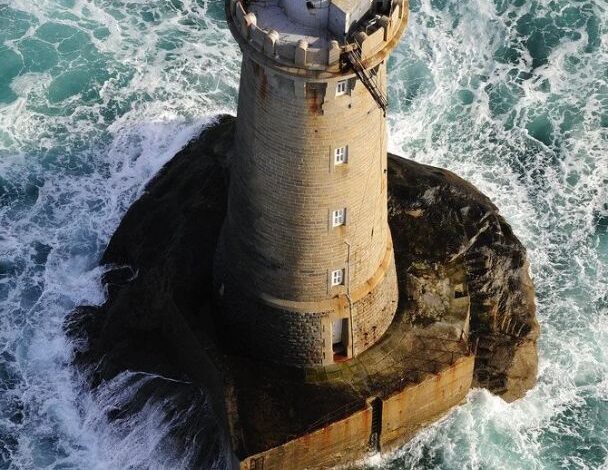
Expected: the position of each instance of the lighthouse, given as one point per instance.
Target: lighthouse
(304, 270)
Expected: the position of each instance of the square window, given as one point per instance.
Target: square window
(340, 155)
(342, 87)
(337, 277)
(338, 217)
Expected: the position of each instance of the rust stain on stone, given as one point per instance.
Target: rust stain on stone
(314, 104)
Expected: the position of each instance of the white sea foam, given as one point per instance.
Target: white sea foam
(69, 169)
(553, 197)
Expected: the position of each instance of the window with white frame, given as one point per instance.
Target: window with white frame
(341, 87)
(341, 155)
(337, 277)
(338, 217)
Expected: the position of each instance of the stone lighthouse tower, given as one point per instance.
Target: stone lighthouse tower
(304, 270)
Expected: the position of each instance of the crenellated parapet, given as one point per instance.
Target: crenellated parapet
(291, 44)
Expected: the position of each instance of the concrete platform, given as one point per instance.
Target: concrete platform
(278, 406)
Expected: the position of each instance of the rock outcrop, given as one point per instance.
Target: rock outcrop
(441, 223)
(158, 313)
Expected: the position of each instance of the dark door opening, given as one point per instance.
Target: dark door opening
(339, 331)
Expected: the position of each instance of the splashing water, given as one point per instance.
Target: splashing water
(96, 95)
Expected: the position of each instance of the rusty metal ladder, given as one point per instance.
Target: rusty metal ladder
(374, 437)
(354, 58)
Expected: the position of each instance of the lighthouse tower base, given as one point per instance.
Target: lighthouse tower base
(305, 334)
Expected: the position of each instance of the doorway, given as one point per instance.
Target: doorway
(339, 335)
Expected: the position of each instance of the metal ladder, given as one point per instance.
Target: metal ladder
(354, 57)
(376, 430)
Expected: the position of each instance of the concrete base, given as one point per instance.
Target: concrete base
(339, 412)
(381, 425)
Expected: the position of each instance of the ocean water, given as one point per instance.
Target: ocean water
(96, 95)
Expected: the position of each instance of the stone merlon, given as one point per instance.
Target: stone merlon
(314, 34)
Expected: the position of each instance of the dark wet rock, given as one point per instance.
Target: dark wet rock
(157, 318)
(440, 223)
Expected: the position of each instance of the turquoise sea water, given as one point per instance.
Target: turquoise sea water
(96, 95)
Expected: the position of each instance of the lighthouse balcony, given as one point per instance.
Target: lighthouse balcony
(315, 34)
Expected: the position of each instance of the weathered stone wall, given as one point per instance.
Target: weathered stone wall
(278, 242)
(320, 449)
(373, 314)
(405, 412)
(284, 186)
(402, 414)
(296, 337)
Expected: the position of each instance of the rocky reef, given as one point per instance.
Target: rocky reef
(158, 317)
